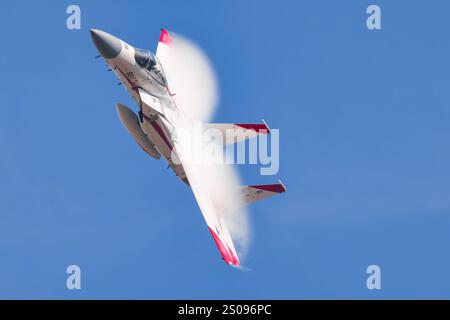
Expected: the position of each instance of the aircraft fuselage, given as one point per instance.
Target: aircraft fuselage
(140, 72)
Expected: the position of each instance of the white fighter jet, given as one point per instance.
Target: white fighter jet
(154, 127)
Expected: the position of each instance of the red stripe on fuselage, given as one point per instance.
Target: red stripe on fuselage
(159, 130)
(133, 87)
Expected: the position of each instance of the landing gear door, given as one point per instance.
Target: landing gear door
(151, 106)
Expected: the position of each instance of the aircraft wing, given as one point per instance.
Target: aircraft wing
(164, 44)
(236, 132)
(213, 213)
(255, 193)
(163, 53)
(190, 77)
(182, 83)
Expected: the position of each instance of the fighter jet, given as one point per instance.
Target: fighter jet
(155, 126)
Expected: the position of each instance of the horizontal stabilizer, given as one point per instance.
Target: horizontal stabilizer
(258, 192)
(131, 122)
(236, 132)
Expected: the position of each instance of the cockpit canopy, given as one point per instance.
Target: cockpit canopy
(149, 62)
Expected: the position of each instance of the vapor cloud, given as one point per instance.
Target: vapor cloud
(197, 93)
(193, 76)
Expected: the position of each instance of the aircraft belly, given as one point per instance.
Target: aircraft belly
(159, 137)
(159, 134)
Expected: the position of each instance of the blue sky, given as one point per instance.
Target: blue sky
(364, 127)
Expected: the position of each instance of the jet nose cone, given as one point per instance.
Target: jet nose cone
(108, 45)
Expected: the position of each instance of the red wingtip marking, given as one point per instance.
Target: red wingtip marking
(234, 259)
(262, 128)
(165, 37)
(278, 188)
(227, 254)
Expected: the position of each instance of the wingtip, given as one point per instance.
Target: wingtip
(267, 127)
(261, 128)
(165, 37)
(228, 256)
(275, 188)
(282, 184)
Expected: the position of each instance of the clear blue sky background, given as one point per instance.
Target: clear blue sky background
(364, 118)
